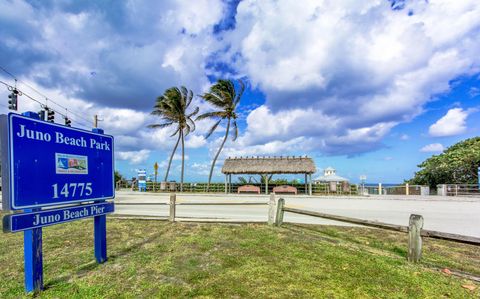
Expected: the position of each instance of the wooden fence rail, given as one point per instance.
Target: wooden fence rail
(192, 204)
(394, 227)
(277, 209)
(415, 229)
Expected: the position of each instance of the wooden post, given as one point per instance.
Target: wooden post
(415, 238)
(229, 183)
(171, 217)
(407, 189)
(266, 184)
(226, 183)
(271, 209)
(279, 217)
(310, 185)
(306, 191)
(379, 188)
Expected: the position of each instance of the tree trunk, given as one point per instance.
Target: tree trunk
(183, 161)
(218, 153)
(171, 158)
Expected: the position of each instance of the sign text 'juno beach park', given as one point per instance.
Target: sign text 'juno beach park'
(53, 174)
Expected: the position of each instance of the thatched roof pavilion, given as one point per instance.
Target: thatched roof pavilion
(268, 165)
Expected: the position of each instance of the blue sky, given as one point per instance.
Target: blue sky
(368, 87)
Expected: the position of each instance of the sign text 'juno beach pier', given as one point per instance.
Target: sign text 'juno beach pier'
(53, 174)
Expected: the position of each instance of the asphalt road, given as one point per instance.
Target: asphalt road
(447, 214)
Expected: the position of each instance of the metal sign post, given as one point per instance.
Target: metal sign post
(47, 165)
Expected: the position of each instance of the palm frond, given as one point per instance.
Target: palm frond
(235, 130)
(189, 97)
(212, 129)
(159, 126)
(186, 130)
(184, 95)
(213, 114)
(240, 92)
(194, 112)
(214, 99)
(191, 124)
(176, 131)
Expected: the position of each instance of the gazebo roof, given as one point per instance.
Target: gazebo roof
(331, 178)
(268, 165)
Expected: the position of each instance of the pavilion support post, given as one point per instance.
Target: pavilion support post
(306, 179)
(310, 184)
(229, 183)
(226, 183)
(266, 184)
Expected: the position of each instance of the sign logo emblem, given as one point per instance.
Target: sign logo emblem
(71, 164)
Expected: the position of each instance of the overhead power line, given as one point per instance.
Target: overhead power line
(44, 106)
(47, 99)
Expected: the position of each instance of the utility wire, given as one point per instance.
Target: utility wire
(43, 95)
(44, 106)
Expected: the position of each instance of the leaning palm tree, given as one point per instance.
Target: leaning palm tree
(223, 96)
(172, 107)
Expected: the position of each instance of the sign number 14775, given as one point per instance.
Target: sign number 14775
(70, 189)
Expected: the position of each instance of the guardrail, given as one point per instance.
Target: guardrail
(458, 190)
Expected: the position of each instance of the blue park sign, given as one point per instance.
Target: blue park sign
(46, 164)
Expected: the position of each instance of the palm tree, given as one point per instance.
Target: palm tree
(223, 96)
(172, 107)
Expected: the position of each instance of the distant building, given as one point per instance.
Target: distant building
(329, 175)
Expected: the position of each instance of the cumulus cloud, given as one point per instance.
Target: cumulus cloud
(452, 123)
(338, 75)
(433, 147)
(345, 72)
(134, 157)
(121, 55)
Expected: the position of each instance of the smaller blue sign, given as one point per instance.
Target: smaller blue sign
(24, 221)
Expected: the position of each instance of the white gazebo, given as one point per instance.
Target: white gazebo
(329, 175)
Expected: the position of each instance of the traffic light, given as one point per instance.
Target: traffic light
(12, 103)
(50, 114)
(41, 114)
(68, 122)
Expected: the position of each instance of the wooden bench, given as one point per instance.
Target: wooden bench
(285, 189)
(249, 189)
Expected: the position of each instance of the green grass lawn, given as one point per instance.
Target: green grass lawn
(161, 259)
